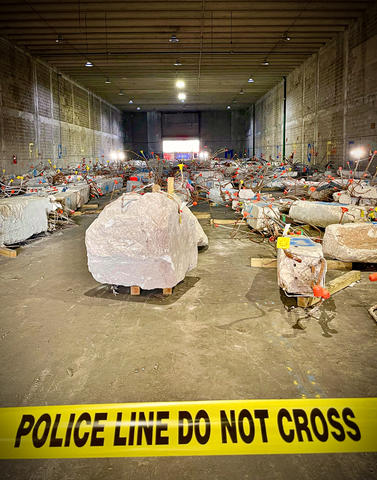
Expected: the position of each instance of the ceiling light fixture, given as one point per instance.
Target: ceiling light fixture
(120, 92)
(241, 91)
(138, 108)
(286, 37)
(228, 107)
(89, 64)
(265, 62)
(251, 80)
(182, 96)
(180, 84)
(131, 101)
(107, 80)
(59, 39)
(173, 39)
(178, 63)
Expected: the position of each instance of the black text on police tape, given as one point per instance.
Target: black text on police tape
(137, 428)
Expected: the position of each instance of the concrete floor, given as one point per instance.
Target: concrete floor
(224, 334)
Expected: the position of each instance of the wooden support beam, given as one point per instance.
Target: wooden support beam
(8, 252)
(201, 215)
(90, 205)
(271, 263)
(170, 185)
(226, 221)
(334, 286)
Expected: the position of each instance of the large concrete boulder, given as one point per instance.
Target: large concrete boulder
(149, 240)
(351, 242)
(322, 214)
(23, 216)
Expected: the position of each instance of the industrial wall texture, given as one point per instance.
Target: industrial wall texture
(216, 129)
(45, 115)
(331, 101)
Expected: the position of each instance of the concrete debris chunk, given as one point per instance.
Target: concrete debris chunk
(23, 216)
(301, 266)
(259, 214)
(147, 240)
(351, 242)
(322, 214)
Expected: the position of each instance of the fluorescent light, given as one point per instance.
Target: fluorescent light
(89, 64)
(251, 80)
(180, 84)
(182, 96)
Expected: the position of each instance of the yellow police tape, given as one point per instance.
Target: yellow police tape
(234, 427)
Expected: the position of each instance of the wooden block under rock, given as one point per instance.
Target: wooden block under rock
(135, 290)
(334, 286)
(8, 252)
(90, 205)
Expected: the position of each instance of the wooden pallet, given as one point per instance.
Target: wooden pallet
(136, 291)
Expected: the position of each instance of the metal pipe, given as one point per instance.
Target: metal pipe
(284, 112)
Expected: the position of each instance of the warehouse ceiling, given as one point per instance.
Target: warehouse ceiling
(221, 44)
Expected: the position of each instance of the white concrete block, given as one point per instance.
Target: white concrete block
(142, 240)
(246, 194)
(363, 191)
(23, 216)
(259, 213)
(322, 214)
(299, 267)
(351, 242)
(72, 197)
(108, 184)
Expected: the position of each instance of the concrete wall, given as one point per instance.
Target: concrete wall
(331, 101)
(144, 131)
(45, 115)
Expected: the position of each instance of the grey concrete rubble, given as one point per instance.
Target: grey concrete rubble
(301, 266)
(322, 214)
(351, 242)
